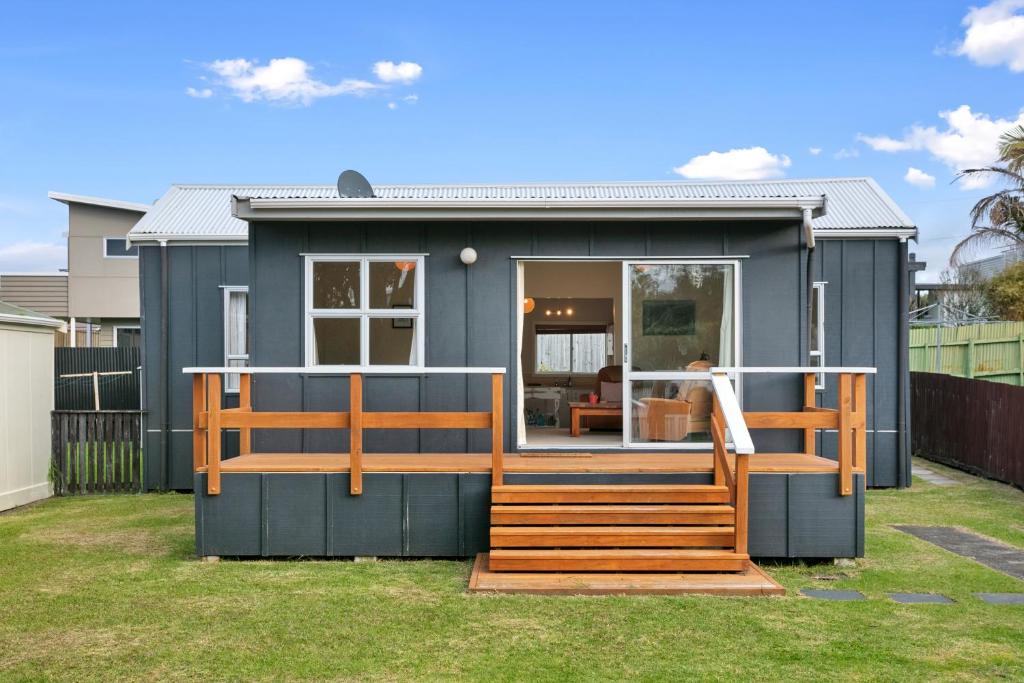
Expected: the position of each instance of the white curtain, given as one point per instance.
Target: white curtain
(725, 335)
(520, 387)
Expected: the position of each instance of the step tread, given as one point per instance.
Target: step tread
(612, 530)
(530, 488)
(610, 493)
(618, 553)
(613, 536)
(709, 508)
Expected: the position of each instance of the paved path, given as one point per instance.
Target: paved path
(998, 556)
(932, 477)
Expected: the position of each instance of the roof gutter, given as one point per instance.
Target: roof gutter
(376, 209)
(30, 320)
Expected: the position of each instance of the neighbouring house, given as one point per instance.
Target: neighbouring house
(26, 399)
(98, 296)
(600, 315)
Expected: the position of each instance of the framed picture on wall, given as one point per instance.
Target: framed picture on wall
(401, 323)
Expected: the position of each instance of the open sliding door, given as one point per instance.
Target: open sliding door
(681, 317)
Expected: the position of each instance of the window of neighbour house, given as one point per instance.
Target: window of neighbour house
(117, 247)
(127, 335)
(236, 348)
(364, 310)
(576, 349)
(817, 331)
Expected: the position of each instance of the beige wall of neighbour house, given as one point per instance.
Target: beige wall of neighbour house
(46, 294)
(26, 399)
(100, 287)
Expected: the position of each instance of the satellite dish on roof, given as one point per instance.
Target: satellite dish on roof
(352, 185)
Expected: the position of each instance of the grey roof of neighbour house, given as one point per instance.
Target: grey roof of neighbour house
(203, 212)
(9, 313)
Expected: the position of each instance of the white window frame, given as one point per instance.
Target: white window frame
(570, 372)
(818, 292)
(228, 291)
(123, 239)
(364, 313)
(125, 327)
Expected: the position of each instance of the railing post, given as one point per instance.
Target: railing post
(741, 506)
(245, 404)
(497, 436)
(845, 435)
(355, 450)
(213, 436)
(860, 444)
(719, 473)
(198, 433)
(809, 402)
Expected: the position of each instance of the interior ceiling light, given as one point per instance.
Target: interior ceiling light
(529, 304)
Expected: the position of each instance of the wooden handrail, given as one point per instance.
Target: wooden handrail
(726, 413)
(209, 418)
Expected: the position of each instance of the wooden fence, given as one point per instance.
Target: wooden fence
(970, 424)
(116, 391)
(96, 452)
(992, 351)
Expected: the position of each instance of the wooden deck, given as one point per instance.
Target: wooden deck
(752, 582)
(554, 463)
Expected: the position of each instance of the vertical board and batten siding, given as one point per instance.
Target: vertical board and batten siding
(447, 514)
(196, 329)
(862, 320)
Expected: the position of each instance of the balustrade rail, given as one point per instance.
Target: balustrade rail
(209, 417)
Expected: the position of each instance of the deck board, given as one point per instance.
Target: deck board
(519, 463)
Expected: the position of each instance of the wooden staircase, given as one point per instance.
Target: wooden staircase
(617, 538)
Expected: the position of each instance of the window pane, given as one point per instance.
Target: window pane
(231, 381)
(236, 323)
(336, 341)
(553, 352)
(815, 317)
(392, 341)
(119, 247)
(671, 411)
(128, 336)
(588, 352)
(392, 284)
(681, 314)
(336, 284)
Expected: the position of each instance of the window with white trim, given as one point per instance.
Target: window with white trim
(817, 332)
(364, 310)
(236, 347)
(117, 247)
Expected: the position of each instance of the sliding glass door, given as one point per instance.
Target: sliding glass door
(681, 318)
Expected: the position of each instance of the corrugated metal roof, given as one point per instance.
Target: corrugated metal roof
(204, 211)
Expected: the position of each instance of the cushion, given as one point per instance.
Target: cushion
(611, 392)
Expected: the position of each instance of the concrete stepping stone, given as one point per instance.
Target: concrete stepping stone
(838, 596)
(920, 598)
(999, 556)
(1001, 598)
(933, 477)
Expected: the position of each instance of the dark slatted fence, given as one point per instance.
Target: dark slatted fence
(116, 392)
(971, 424)
(96, 452)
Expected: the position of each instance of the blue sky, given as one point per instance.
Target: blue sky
(97, 97)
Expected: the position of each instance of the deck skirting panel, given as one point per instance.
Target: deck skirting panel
(429, 514)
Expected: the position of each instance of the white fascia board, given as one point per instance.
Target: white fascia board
(66, 198)
(189, 240)
(30, 320)
(866, 233)
(519, 209)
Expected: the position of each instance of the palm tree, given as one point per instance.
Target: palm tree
(998, 219)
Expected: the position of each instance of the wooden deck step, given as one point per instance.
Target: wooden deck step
(610, 493)
(617, 560)
(613, 537)
(631, 515)
(751, 581)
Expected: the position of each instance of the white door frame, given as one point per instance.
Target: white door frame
(628, 376)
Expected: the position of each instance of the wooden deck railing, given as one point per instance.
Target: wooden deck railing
(848, 419)
(726, 414)
(209, 417)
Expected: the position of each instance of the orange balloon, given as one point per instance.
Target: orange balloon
(529, 304)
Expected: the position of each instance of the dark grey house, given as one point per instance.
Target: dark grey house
(605, 305)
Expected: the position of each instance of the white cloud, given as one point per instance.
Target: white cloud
(995, 35)
(287, 79)
(392, 105)
(815, 151)
(411, 99)
(845, 153)
(751, 163)
(969, 141)
(403, 72)
(32, 257)
(199, 94)
(919, 178)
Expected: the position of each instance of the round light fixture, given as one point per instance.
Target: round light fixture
(529, 304)
(547, 312)
(468, 256)
(568, 311)
(405, 266)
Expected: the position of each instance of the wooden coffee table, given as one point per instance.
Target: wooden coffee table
(579, 409)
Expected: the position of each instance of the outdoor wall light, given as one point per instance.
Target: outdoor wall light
(468, 256)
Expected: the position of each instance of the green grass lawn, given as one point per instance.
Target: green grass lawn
(107, 587)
